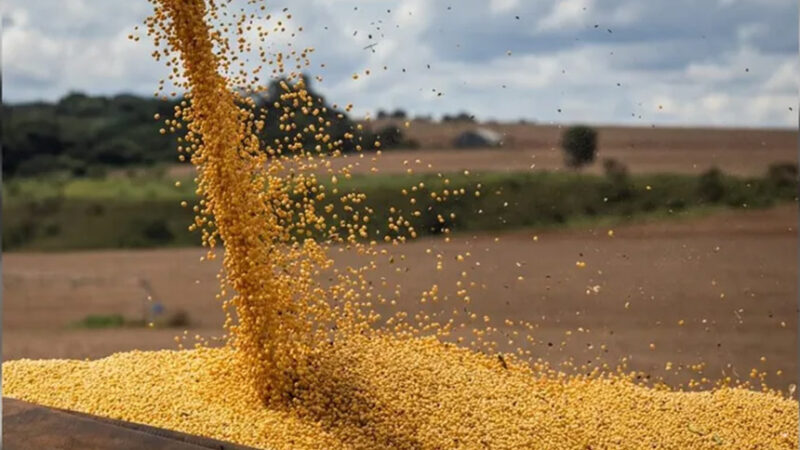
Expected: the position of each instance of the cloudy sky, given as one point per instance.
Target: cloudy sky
(676, 62)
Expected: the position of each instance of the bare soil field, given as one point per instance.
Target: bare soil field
(719, 290)
(642, 149)
(539, 136)
(743, 162)
(537, 147)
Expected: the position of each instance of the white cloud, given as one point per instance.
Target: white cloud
(43, 58)
(783, 78)
(566, 13)
(501, 6)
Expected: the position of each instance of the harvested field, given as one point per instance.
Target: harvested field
(731, 277)
(536, 136)
(536, 147)
(677, 160)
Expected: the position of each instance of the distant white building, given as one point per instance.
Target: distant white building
(479, 137)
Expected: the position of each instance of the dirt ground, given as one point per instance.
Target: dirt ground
(642, 149)
(743, 162)
(538, 136)
(730, 277)
(536, 147)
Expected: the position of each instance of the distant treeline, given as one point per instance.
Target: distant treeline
(120, 212)
(85, 135)
(80, 133)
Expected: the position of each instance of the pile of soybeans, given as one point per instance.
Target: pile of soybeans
(307, 362)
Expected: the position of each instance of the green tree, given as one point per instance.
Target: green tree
(580, 145)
